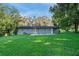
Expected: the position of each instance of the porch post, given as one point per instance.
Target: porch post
(35, 31)
(51, 31)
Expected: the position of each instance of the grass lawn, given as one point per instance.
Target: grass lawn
(45, 45)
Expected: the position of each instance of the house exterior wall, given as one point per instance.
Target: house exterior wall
(43, 31)
(25, 31)
(35, 31)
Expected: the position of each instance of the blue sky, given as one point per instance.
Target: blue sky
(33, 9)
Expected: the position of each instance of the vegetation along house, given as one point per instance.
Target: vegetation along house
(45, 30)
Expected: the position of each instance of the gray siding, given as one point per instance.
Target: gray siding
(43, 31)
(25, 31)
(35, 31)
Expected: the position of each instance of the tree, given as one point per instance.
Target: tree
(7, 25)
(66, 15)
(43, 21)
(23, 21)
(8, 19)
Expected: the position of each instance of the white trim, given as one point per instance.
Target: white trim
(42, 34)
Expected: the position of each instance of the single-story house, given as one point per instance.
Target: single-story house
(45, 30)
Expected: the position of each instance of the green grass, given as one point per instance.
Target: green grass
(42, 45)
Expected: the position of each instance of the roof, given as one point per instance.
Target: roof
(37, 27)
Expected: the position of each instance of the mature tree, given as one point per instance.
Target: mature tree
(43, 21)
(24, 21)
(66, 15)
(7, 25)
(8, 17)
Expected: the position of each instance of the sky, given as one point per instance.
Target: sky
(33, 9)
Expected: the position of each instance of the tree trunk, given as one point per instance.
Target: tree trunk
(6, 34)
(15, 32)
(76, 27)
